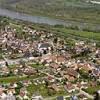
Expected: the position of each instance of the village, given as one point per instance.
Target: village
(42, 66)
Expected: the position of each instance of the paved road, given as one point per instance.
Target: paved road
(86, 94)
(13, 61)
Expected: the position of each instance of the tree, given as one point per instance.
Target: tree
(55, 40)
(97, 96)
(6, 63)
(23, 63)
(4, 22)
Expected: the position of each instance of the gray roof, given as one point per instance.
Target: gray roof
(60, 98)
(45, 45)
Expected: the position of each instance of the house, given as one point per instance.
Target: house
(54, 87)
(97, 95)
(54, 65)
(3, 96)
(79, 86)
(84, 85)
(60, 59)
(50, 78)
(82, 97)
(69, 87)
(86, 67)
(1, 90)
(23, 97)
(11, 90)
(26, 82)
(23, 94)
(74, 97)
(10, 96)
(96, 73)
(27, 71)
(48, 58)
(4, 70)
(44, 46)
(71, 74)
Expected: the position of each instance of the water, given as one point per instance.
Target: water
(45, 20)
(26, 17)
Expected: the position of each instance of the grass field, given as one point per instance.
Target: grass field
(78, 10)
(44, 91)
(91, 90)
(12, 79)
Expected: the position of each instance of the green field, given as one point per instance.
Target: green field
(12, 79)
(44, 91)
(77, 10)
(91, 90)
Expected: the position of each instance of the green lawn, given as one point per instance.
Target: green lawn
(12, 79)
(92, 90)
(37, 89)
(19, 78)
(43, 90)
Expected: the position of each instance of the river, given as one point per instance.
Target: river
(45, 20)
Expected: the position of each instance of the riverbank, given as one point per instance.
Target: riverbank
(72, 10)
(49, 21)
